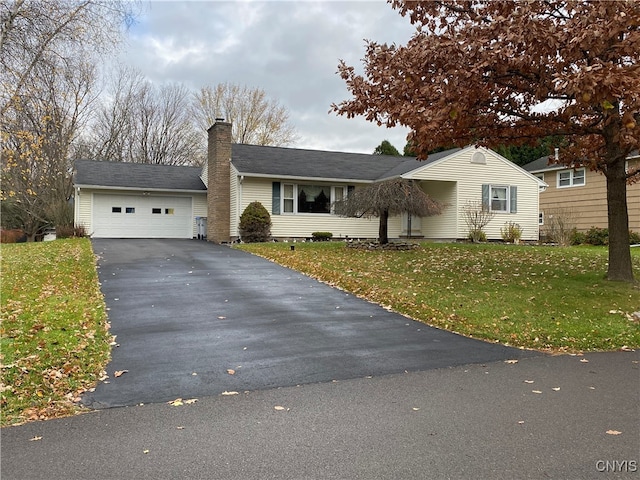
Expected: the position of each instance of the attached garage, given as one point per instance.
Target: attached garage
(128, 200)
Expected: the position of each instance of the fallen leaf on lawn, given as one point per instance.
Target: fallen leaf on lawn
(35, 439)
(191, 401)
(624, 348)
(176, 403)
(584, 360)
(613, 432)
(145, 451)
(528, 381)
(279, 408)
(511, 361)
(536, 391)
(231, 371)
(555, 389)
(229, 393)
(119, 373)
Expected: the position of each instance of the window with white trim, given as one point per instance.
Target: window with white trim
(571, 178)
(310, 198)
(500, 198)
(540, 218)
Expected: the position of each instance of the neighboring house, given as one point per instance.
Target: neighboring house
(298, 186)
(580, 194)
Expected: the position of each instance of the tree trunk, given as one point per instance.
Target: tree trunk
(383, 235)
(620, 266)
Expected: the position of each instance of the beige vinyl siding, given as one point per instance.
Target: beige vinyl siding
(234, 203)
(199, 210)
(588, 203)
(83, 214)
(444, 226)
(469, 178)
(303, 225)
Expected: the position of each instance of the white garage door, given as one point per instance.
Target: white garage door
(132, 216)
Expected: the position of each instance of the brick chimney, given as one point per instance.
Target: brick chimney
(219, 182)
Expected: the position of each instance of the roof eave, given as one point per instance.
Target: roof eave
(295, 177)
(137, 189)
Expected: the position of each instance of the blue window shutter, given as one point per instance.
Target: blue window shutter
(486, 202)
(513, 203)
(275, 198)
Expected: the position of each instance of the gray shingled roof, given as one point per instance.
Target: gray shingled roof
(542, 163)
(293, 162)
(138, 175)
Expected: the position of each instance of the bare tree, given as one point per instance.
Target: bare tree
(389, 197)
(143, 123)
(33, 32)
(38, 134)
(256, 119)
(48, 53)
(476, 216)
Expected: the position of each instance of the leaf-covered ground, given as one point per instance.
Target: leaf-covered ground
(54, 334)
(544, 298)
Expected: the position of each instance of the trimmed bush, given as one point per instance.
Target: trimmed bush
(634, 238)
(577, 237)
(597, 236)
(322, 236)
(255, 223)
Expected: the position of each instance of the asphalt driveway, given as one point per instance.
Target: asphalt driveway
(194, 319)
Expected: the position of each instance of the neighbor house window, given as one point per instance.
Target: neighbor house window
(540, 218)
(156, 211)
(309, 198)
(539, 176)
(130, 210)
(116, 209)
(571, 178)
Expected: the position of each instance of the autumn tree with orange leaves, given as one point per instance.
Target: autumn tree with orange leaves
(491, 73)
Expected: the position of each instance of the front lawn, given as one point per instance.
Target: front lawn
(546, 298)
(54, 334)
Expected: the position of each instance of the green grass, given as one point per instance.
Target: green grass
(54, 333)
(544, 298)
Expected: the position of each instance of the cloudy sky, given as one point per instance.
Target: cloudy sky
(289, 49)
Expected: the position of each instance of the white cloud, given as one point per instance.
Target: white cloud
(289, 49)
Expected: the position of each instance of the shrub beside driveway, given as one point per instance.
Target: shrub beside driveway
(546, 298)
(55, 339)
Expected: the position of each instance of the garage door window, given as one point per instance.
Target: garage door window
(168, 211)
(130, 210)
(156, 211)
(116, 209)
